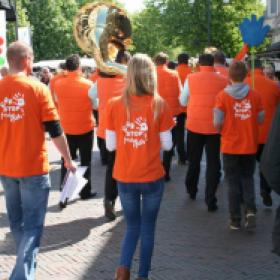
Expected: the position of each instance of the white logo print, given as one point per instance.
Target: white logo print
(242, 110)
(136, 132)
(12, 108)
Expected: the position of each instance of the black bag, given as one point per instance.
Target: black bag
(270, 160)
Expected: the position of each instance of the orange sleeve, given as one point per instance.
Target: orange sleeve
(219, 102)
(241, 54)
(109, 124)
(260, 107)
(48, 109)
(166, 118)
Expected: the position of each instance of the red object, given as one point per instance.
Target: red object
(1, 40)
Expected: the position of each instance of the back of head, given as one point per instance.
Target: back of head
(257, 63)
(219, 57)
(161, 58)
(123, 57)
(141, 75)
(72, 62)
(206, 60)
(183, 58)
(237, 71)
(17, 52)
(171, 65)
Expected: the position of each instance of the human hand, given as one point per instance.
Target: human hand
(70, 165)
(253, 32)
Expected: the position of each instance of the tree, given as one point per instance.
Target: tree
(181, 25)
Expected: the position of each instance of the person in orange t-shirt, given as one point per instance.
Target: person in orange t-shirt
(238, 111)
(75, 111)
(106, 87)
(169, 89)
(139, 123)
(61, 73)
(270, 94)
(220, 63)
(26, 112)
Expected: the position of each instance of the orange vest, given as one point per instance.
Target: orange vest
(74, 105)
(53, 80)
(270, 94)
(107, 88)
(169, 88)
(183, 71)
(203, 88)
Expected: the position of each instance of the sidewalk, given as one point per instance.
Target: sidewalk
(191, 244)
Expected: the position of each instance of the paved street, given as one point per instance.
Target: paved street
(191, 244)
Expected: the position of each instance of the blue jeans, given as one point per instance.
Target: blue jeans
(26, 202)
(140, 216)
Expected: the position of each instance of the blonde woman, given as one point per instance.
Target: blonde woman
(139, 124)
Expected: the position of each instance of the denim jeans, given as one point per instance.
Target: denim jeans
(26, 202)
(239, 174)
(141, 203)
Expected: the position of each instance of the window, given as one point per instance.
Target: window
(273, 7)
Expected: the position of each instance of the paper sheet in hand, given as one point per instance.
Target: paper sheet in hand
(73, 184)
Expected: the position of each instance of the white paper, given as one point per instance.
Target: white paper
(73, 184)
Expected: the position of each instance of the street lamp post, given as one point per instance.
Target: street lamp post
(16, 23)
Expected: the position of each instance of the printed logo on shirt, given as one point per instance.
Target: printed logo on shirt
(12, 108)
(136, 132)
(242, 110)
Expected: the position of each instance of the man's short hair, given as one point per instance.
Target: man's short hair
(237, 71)
(161, 58)
(183, 58)
(219, 57)
(206, 59)
(72, 62)
(16, 52)
(257, 63)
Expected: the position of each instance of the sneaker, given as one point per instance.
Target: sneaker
(192, 196)
(267, 200)
(250, 221)
(167, 178)
(212, 207)
(235, 224)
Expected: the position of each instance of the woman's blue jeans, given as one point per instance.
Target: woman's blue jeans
(26, 202)
(141, 203)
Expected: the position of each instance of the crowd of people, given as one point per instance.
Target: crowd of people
(154, 107)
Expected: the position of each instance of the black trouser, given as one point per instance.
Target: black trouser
(239, 173)
(265, 189)
(111, 191)
(102, 149)
(178, 141)
(196, 142)
(82, 143)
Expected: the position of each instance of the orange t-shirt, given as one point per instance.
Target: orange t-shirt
(24, 105)
(138, 138)
(53, 80)
(240, 127)
(169, 88)
(183, 72)
(74, 105)
(270, 95)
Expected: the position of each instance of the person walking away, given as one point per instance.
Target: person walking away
(238, 111)
(139, 123)
(169, 89)
(26, 112)
(220, 63)
(75, 111)
(270, 95)
(105, 88)
(199, 93)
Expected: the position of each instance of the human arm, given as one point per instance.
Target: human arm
(94, 96)
(184, 96)
(219, 112)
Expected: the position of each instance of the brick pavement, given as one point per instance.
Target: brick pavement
(191, 244)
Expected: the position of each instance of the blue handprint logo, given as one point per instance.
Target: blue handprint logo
(253, 32)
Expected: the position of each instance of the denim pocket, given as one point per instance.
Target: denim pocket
(38, 181)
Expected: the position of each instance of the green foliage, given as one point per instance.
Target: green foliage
(182, 26)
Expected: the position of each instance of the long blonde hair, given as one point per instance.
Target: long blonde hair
(142, 80)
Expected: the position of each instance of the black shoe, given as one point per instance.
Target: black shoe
(181, 162)
(212, 207)
(109, 207)
(167, 178)
(90, 196)
(235, 224)
(192, 196)
(267, 200)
